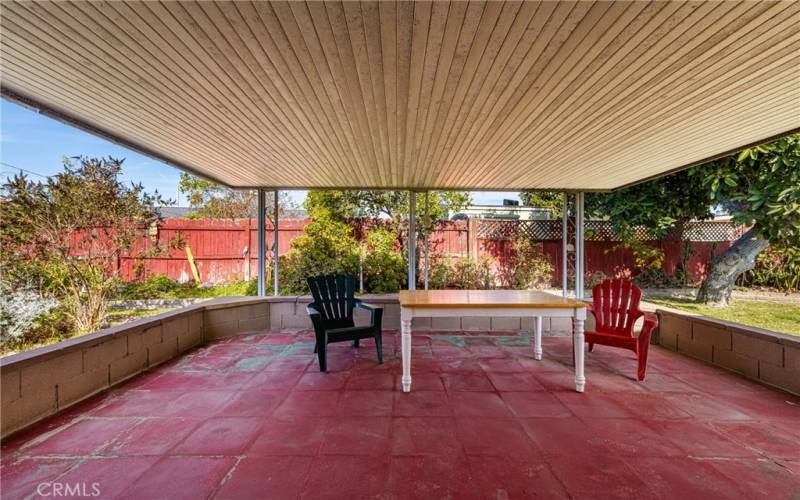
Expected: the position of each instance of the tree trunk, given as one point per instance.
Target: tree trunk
(728, 266)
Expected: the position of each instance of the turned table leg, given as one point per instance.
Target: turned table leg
(405, 348)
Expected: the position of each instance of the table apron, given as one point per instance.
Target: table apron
(407, 313)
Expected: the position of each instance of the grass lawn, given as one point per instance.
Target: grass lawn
(783, 317)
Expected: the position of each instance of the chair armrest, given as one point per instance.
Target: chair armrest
(376, 313)
(650, 324)
(316, 319)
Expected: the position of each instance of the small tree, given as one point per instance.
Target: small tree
(66, 234)
(552, 200)
(761, 190)
(215, 201)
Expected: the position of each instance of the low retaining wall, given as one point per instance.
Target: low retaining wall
(767, 357)
(44, 381)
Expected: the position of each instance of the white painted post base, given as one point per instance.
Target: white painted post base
(580, 379)
(405, 347)
(537, 339)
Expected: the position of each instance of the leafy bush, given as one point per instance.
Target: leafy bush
(594, 278)
(439, 272)
(776, 267)
(530, 267)
(20, 312)
(152, 287)
(385, 269)
(162, 287)
(327, 246)
(469, 274)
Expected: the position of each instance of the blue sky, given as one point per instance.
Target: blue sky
(37, 143)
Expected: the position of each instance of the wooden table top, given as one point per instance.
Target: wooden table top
(484, 299)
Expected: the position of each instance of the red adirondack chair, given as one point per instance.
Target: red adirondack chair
(616, 309)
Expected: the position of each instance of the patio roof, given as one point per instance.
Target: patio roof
(555, 95)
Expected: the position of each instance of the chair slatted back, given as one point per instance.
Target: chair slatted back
(334, 297)
(616, 306)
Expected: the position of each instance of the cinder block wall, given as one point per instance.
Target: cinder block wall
(767, 357)
(39, 383)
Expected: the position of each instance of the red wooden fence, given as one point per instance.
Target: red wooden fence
(226, 250)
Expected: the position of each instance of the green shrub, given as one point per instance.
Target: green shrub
(776, 267)
(530, 267)
(385, 269)
(469, 274)
(440, 271)
(53, 326)
(152, 287)
(327, 246)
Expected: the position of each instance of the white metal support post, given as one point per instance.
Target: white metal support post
(275, 248)
(262, 244)
(426, 263)
(580, 257)
(412, 240)
(564, 245)
(578, 323)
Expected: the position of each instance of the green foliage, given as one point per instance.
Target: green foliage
(346, 205)
(544, 199)
(327, 246)
(162, 287)
(529, 267)
(439, 271)
(385, 270)
(212, 200)
(152, 287)
(469, 274)
(215, 201)
(761, 188)
(67, 233)
(657, 205)
(776, 267)
(53, 326)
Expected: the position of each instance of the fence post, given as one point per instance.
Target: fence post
(472, 238)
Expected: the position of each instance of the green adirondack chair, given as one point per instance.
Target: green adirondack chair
(332, 315)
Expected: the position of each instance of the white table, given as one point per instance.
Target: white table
(497, 303)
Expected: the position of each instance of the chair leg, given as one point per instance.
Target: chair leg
(322, 355)
(355, 343)
(591, 346)
(641, 359)
(379, 347)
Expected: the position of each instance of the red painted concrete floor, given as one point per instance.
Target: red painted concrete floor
(251, 417)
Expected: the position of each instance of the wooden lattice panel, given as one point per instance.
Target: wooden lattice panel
(597, 230)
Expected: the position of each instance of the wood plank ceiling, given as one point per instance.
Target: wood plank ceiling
(551, 95)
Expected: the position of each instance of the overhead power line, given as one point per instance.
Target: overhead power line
(22, 169)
